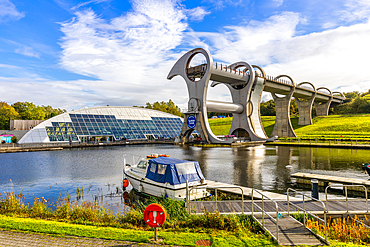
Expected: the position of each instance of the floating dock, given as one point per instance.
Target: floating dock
(325, 180)
(229, 188)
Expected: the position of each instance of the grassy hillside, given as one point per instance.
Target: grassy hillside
(333, 126)
(221, 126)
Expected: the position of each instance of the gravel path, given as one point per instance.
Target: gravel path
(20, 239)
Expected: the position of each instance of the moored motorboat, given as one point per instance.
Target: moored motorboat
(169, 177)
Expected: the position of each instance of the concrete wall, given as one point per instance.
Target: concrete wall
(24, 124)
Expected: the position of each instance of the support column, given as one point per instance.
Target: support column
(305, 107)
(283, 127)
(249, 122)
(190, 125)
(323, 109)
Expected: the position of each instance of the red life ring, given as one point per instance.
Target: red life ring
(154, 215)
(125, 182)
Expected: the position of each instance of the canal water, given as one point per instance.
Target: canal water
(98, 170)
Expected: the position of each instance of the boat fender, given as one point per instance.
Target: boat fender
(140, 188)
(125, 183)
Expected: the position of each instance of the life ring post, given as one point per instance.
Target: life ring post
(154, 216)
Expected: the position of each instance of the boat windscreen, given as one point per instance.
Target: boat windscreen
(161, 169)
(186, 168)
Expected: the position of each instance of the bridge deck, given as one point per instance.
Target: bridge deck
(246, 191)
(232, 207)
(221, 74)
(291, 232)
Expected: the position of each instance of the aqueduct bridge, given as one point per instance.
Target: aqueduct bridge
(246, 83)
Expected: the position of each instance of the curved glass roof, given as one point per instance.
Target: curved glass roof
(113, 123)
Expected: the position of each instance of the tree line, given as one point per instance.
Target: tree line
(169, 107)
(25, 111)
(355, 103)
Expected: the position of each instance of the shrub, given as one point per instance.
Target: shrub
(14, 139)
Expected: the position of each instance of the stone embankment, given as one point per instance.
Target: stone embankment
(346, 145)
(34, 147)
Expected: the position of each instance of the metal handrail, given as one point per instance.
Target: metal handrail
(263, 213)
(307, 212)
(213, 187)
(345, 189)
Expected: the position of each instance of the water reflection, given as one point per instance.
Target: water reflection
(55, 173)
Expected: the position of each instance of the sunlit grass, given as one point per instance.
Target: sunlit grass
(67, 217)
(355, 127)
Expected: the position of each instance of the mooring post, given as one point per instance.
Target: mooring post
(315, 188)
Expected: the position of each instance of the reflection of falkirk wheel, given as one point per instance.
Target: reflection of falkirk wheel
(246, 88)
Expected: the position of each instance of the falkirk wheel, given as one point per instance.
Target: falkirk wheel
(246, 83)
(245, 86)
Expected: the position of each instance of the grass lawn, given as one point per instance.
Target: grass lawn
(218, 238)
(355, 127)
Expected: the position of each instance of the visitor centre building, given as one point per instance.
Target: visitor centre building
(105, 123)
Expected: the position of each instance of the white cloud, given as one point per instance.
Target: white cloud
(127, 47)
(9, 11)
(131, 55)
(278, 2)
(222, 4)
(355, 10)
(88, 2)
(27, 51)
(237, 43)
(7, 66)
(336, 59)
(197, 14)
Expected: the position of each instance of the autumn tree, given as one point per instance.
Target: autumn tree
(7, 113)
(51, 112)
(268, 108)
(168, 107)
(29, 111)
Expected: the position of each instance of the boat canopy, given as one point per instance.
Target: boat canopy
(173, 171)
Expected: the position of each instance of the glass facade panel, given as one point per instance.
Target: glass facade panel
(108, 125)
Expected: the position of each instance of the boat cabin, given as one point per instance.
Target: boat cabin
(173, 171)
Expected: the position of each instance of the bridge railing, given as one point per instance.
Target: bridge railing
(242, 73)
(189, 190)
(276, 219)
(308, 212)
(346, 194)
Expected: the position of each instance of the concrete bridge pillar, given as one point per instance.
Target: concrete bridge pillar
(322, 109)
(283, 127)
(305, 107)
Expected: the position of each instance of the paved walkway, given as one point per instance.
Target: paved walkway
(20, 239)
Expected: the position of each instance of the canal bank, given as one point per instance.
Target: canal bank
(352, 145)
(35, 147)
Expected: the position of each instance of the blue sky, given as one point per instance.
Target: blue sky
(72, 54)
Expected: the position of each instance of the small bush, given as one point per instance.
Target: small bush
(14, 139)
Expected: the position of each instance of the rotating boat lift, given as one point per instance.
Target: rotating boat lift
(246, 87)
